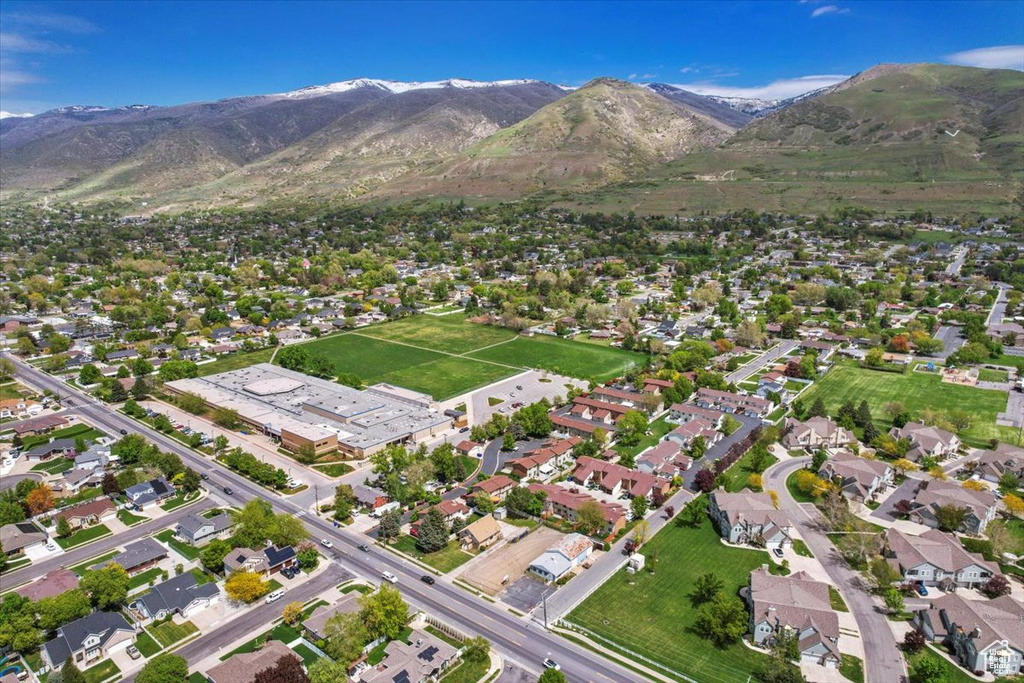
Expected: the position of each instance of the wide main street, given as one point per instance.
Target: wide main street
(512, 637)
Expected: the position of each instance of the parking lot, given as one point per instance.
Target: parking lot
(526, 593)
(535, 386)
(511, 559)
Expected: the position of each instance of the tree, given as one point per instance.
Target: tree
(292, 613)
(226, 418)
(243, 586)
(893, 599)
(476, 649)
(212, 556)
(483, 503)
(384, 612)
(914, 640)
(508, 442)
(723, 620)
(325, 671)
(590, 517)
(631, 427)
(705, 480)
(930, 669)
(818, 459)
(344, 501)
(390, 525)
(308, 556)
(950, 517)
(106, 587)
(997, 586)
(760, 457)
(1014, 505)
(779, 667)
(1009, 481)
(89, 374)
(164, 668)
(883, 573)
(191, 480)
(63, 527)
(70, 673)
(551, 676)
(706, 588)
(749, 334)
(139, 390)
(192, 403)
(638, 506)
(433, 532)
(60, 609)
(18, 624)
(817, 409)
(288, 669)
(346, 635)
(110, 485)
(698, 447)
(39, 500)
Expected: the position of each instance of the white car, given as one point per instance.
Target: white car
(551, 664)
(275, 596)
(389, 577)
(327, 543)
(50, 546)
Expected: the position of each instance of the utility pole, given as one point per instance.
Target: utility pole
(316, 496)
(545, 610)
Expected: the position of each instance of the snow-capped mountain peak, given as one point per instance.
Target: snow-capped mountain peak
(9, 115)
(396, 87)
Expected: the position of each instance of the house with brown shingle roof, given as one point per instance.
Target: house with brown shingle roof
(562, 502)
(749, 518)
(992, 465)
(815, 432)
(932, 495)
(936, 559)
(926, 441)
(243, 667)
(858, 478)
(985, 635)
(481, 533)
(496, 487)
(93, 512)
(794, 604)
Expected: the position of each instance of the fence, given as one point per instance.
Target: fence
(616, 646)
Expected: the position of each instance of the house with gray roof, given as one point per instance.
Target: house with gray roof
(858, 478)
(992, 465)
(980, 506)
(137, 556)
(15, 538)
(926, 441)
(181, 595)
(196, 529)
(267, 560)
(936, 559)
(815, 432)
(985, 635)
(149, 492)
(794, 604)
(47, 450)
(422, 659)
(749, 518)
(89, 639)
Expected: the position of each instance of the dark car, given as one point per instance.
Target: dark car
(227, 490)
(365, 548)
(428, 579)
(124, 431)
(204, 475)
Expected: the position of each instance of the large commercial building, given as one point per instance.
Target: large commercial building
(300, 410)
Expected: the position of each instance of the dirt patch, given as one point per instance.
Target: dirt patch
(512, 559)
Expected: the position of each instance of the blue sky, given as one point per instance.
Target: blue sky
(116, 53)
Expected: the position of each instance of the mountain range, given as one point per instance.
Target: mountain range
(883, 138)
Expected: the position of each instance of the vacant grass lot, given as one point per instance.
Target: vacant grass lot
(235, 361)
(916, 390)
(449, 333)
(565, 357)
(444, 560)
(655, 618)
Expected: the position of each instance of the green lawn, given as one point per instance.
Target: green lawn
(143, 578)
(101, 672)
(467, 672)
(73, 432)
(450, 333)
(179, 499)
(308, 656)
(852, 669)
(84, 566)
(836, 600)
(953, 673)
(565, 357)
(147, 646)
(184, 549)
(739, 472)
(335, 469)
(84, 536)
(655, 618)
(657, 429)
(1009, 361)
(800, 548)
(988, 375)
(235, 361)
(83, 495)
(916, 390)
(444, 560)
(798, 495)
(54, 465)
(168, 633)
(129, 519)
(16, 563)
(447, 376)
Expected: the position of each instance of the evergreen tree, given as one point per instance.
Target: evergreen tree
(863, 416)
(817, 409)
(433, 533)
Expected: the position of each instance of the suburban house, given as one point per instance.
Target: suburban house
(137, 557)
(571, 426)
(749, 518)
(15, 538)
(926, 441)
(181, 595)
(936, 559)
(562, 502)
(597, 411)
(450, 511)
(931, 495)
(88, 639)
(469, 448)
(623, 397)
(986, 635)
(75, 480)
(47, 450)
(38, 425)
(422, 659)
(857, 477)
(243, 667)
(95, 458)
(196, 529)
(684, 434)
(665, 460)
(815, 432)
(681, 413)
(497, 487)
(95, 511)
(545, 461)
(481, 533)
(369, 497)
(726, 401)
(149, 492)
(560, 559)
(616, 480)
(992, 465)
(314, 625)
(269, 560)
(794, 604)
(51, 584)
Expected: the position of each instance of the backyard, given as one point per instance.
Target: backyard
(654, 616)
(916, 390)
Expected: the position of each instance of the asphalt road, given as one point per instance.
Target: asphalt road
(755, 365)
(511, 637)
(9, 481)
(995, 316)
(883, 660)
(951, 340)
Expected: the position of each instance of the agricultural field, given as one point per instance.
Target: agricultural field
(916, 390)
(654, 616)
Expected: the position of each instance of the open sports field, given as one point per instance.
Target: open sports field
(916, 390)
(565, 357)
(654, 617)
(449, 333)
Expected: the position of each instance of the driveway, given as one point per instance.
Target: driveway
(885, 662)
(771, 355)
(886, 511)
(951, 340)
(718, 451)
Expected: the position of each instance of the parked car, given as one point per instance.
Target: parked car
(133, 652)
(389, 577)
(921, 589)
(463, 430)
(365, 548)
(428, 579)
(777, 552)
(204, 475)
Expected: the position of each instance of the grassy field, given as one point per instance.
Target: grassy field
(449, 333)
(176, 501)
(73, 432)
(235, 361)
(657, 429)
(655, 618)
(143, 578)
(101, 672)
(168, 633)
(987, 375)
(444, 560)
(586, 361)
(83, 536)
(467, 672)
(916, 390)
(128, 519)
(147, 646)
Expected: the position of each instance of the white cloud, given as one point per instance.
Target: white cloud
(776, 90)
(642, 77)
(999, 57)
(51, 21)
(17, 42)
(29, 33)
(828, 9)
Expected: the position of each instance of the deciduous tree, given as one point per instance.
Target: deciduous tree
(244, 586)
(164, 668)
(384, 612)
(106, 587)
